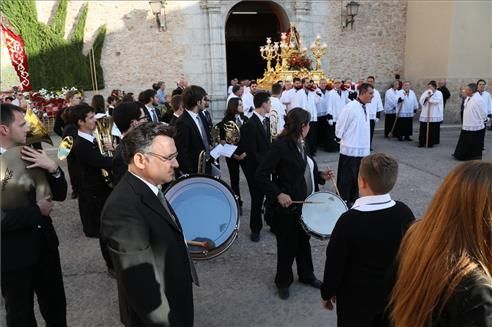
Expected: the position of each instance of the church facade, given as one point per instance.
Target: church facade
(210, 41)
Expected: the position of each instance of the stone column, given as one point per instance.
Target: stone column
(217, 57)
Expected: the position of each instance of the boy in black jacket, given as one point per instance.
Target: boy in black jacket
(364, 244)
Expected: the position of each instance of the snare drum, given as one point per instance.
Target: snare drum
(319, 218)
(207, 210)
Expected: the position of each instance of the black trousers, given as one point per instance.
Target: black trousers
(43, 279)
(292, 243)
(389, 120)
(73, 173)
(312, 138)
(348, 172)
(233, 166)
(482, 135)
(372, 125)
(257, 196)
(331, 145)
(322, 130)
(434, 133)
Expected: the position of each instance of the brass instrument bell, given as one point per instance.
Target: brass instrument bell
(17, 181)
(232, 132)
(273, 115)
(65, 147)
(38, 132)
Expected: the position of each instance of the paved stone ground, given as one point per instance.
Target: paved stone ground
(237, 287)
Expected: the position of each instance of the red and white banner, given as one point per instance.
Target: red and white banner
(18, 57)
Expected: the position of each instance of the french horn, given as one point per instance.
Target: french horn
(273, 123)
(232, 132)
(17, 181)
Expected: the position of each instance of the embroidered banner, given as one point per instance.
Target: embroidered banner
(18, 57)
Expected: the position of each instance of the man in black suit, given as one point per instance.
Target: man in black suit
(255, 142)
(192, 135)
(145, 239)
(94, 186)
(30, 258)
(126, 116)
(149, 99)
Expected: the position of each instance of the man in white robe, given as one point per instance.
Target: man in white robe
(375, 107)
(431, 116)
(307, 99)
(392, 103)
(337, 100)
(404, 120)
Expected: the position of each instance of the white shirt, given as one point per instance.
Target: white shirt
(195, 118)
(279, 108)
(322, 106)
(2, 150)
(474, 113)
(152, 187)
(86, 136)
(375, 106)
(336, 103)
(248, 103)
(152, 112)
(286, 98)
(487, 99)
(16, 102)
(232, 95)
(435, 108)
(311, 170)
(391, 100)
(409, 104)
(353, 128)
(373, 203)
(229, 90)
(307, 101)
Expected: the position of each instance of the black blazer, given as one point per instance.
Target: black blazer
(286, 165)
(255, 142)
(26, 234)
(91, 161)
(150, 257)
(189, 143)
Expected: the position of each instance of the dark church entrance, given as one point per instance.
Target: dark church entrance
(248, 25)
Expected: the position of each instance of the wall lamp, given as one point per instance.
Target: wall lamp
(159, 10)
(352, 9)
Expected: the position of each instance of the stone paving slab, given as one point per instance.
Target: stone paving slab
(237, 288)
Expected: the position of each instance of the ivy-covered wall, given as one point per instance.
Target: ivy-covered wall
(54, 61)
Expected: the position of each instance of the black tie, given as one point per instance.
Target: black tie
(339, 92)
(266, 124)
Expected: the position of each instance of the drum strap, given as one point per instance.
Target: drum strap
(372, 204)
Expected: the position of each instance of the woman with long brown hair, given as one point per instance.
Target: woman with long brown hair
(445, 259)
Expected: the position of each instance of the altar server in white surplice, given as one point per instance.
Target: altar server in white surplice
(375, 107)
(488, 103)
(322, 108)
(307, 99)
(353, 130)
(289, 93)
(404, 124)
(432, 113)
(392, 100)
(336, 102)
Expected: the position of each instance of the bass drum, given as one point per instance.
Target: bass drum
(319, 218)
(207, 210)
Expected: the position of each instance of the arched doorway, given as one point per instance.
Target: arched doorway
(248, 25)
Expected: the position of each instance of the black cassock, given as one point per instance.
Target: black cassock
(469, 145)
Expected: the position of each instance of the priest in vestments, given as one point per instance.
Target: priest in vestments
(469, 145)
(404, 124)
(432, 113)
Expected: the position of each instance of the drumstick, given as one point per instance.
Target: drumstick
(306, 202)
(208, 245)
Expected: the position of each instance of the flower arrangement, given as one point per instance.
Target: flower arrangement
(298, 61)
(49, 102)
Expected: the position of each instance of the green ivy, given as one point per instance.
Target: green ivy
(55, 62)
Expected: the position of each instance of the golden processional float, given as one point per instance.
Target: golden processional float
(291, 59)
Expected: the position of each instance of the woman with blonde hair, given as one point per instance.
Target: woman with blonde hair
(445, 259)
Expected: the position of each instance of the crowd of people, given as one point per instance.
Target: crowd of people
(382, 267)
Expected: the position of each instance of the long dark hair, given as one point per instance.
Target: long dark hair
(231, 110)
(295, 120)
(98, 104)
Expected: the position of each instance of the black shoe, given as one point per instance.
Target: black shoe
(74, 195)
(408, 138)
(400, 138)
(255, 237)
(283, 293)
(421, 145)
(316, 283)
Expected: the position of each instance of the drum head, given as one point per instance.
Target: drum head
(207, 210)
(320, 219)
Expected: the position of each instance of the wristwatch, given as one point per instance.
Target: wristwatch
(57, 173)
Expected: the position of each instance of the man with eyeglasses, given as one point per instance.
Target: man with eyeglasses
(144, 236)
(126, 116)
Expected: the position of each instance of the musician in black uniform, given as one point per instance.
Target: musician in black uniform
(95, 187)
(192, 135)
(126, 116)
(30, 258)
(255, 142)
(234, 115)
(294, 177)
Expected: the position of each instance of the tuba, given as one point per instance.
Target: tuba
(232, 132)
(17, 182)
(273, 123)
(103, 134)
(37, 130)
